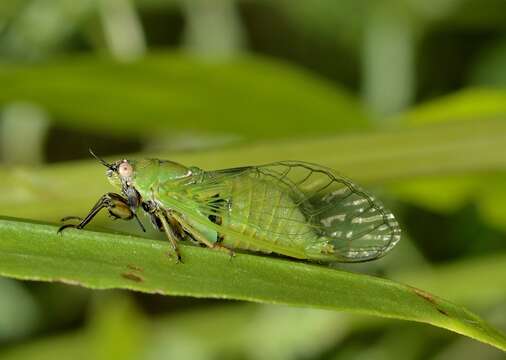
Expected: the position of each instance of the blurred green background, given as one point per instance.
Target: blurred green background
(390, 84)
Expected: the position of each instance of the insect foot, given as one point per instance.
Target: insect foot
(176, 256)
(225, 249)
(65, 226)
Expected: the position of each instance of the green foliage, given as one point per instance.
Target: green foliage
(447, 193)
(161, 93)
(469, 104)
(489, 71)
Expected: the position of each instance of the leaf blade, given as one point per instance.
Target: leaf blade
(32, 251)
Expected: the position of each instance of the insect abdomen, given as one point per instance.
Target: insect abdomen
(261, 211)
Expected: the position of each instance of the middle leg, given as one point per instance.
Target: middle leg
(169, 231)
(197, 235)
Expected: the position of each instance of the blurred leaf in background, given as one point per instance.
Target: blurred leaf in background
(164, 91)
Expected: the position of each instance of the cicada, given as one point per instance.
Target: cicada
(291, 208)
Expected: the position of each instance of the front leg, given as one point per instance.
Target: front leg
(116, 205)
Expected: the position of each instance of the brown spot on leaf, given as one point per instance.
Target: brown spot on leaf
(441, 311)
(424, 295)
(132, 276)
(429, 298)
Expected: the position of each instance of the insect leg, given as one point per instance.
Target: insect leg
(171, 235)
(150, 208)
(201, 238)
(116, 205)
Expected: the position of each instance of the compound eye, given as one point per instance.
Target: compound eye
(125, 169)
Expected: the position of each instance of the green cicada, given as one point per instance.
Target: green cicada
(292, 208)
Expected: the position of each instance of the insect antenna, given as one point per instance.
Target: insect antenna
(102, 161)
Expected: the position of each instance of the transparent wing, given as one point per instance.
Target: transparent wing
(307, 200)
